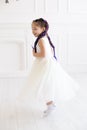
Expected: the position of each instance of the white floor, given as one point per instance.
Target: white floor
(68, 116)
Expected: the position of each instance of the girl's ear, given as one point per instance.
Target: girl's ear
(44, 28)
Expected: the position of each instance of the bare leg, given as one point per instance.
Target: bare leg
(50, 102)
(50, 107)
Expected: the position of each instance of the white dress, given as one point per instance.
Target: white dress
(47, 80)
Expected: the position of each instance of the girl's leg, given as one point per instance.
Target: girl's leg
(50, 106)
(50, 102)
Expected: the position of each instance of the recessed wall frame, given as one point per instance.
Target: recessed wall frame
(7, 1)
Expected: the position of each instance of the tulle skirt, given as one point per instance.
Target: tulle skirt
(48, 81)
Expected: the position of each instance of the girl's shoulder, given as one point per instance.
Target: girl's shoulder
(44, 38)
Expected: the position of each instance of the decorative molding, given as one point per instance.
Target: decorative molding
(52, 10)
(79, 44)
(74, 8)
(14, 34)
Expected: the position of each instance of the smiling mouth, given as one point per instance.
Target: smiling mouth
(35, 34)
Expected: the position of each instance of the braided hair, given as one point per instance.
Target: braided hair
(43, 23)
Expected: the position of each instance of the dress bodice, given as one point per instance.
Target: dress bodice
(48, 48)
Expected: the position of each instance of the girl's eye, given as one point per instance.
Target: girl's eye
(34, 29)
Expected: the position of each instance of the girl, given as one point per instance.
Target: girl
(47, 81)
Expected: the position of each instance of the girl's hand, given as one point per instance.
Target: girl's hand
(33, 51)
(32, 47)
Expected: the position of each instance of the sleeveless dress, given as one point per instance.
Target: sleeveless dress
(47, 80)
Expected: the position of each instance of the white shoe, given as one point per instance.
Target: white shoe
(50, 108)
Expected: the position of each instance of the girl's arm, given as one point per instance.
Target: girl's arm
(42, 48)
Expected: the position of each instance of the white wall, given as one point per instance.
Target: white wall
(68, 31)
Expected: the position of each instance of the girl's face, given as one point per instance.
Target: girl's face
(37, 30)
